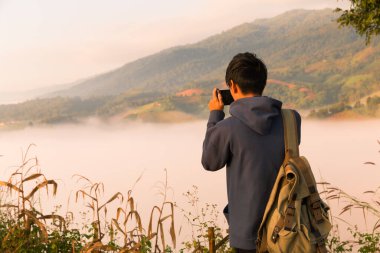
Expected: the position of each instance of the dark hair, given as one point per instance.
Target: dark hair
(248, 72)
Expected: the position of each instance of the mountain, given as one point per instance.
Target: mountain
(17, 97)
(313, 65)
(304, 47)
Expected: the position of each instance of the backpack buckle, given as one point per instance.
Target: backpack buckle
(289, 222)
(316, 208)
(275, 232)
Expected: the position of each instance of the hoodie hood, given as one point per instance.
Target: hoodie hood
(256, 112)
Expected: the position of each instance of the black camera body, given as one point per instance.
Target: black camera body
(226, 97)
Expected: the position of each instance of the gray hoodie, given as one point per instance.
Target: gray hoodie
(251, 144)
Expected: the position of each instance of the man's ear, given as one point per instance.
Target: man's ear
(234, 87)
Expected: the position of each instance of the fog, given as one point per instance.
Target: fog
(118, 155)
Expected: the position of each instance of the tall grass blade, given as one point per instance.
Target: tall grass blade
(83, 195)
(162, 235)
(10, 186)
(42, 185)
(151, 219)
(117, 195)
(118, 227)
(34, 176)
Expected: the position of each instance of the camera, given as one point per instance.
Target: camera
(226, 97)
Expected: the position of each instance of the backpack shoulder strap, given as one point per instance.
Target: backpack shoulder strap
(290, 134)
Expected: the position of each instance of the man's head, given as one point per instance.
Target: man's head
(248, 72)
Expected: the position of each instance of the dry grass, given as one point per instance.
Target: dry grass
(21, 202)
(23, 205)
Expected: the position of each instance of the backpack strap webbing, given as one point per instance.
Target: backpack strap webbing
(290, 134)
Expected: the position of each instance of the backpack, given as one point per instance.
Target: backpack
(295, 219)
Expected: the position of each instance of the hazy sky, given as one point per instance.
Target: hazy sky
(48, 42)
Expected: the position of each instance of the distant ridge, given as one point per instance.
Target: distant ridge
(312, 65)
(299, 46)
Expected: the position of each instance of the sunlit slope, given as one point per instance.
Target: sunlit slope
(313, 65)
(302, 46)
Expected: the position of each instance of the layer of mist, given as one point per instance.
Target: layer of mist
(119, 155)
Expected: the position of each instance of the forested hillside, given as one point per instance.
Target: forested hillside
(302, 47)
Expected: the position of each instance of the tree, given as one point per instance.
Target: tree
(363, 16)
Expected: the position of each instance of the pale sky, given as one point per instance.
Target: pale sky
(49, 42)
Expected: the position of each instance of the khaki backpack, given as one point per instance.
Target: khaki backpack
(295, 219)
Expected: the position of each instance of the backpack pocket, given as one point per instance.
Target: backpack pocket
(292, 241)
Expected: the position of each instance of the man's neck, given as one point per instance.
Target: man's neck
(241, 95)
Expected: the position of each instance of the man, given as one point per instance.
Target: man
(250, 143)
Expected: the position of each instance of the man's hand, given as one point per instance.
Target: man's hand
(216, 102)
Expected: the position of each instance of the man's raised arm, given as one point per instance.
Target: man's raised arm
(216, 148)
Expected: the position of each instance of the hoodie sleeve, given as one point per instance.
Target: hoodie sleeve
(216, 147)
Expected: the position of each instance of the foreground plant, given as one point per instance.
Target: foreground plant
(363, 16)
(200, 217)
(92, 192)
(159, 228)
(22, 224)
(363, 242)
(24, 227)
